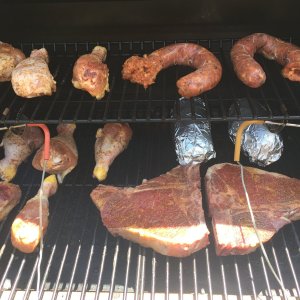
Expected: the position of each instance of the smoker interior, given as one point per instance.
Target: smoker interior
(127, 102)
(81, 258)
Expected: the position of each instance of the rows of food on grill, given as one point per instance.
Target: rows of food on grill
(164, 213)
(31, 77)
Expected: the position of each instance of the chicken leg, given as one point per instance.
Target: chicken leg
(111, 140)
(63, 153)
(32, 78)
(9, 58)
(25, 230)
(18, 145)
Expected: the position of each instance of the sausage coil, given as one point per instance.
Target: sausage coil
(143, 70)
(250, 72)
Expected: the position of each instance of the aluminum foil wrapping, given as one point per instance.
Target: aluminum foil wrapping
(262, 146)
(193, 142)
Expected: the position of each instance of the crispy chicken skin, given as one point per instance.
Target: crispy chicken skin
(63, 153)
(25, 230)
(18, 145)
(32, 78)
(111, 140)
(9, 58)
(91, 74)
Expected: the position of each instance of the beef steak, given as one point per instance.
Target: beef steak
(164, 213)
(275, 200)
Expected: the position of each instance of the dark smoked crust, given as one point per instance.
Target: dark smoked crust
(250, 72)
(143, 70)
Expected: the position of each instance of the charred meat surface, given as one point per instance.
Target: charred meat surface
(10, 195)
(18, 145)
(143, 70)
(63, 153)
(32, 78)
(111, 140)
(25, 230)
(275, 200)
(250, 72)
(91, 74)
(164, 213)
(9, 58)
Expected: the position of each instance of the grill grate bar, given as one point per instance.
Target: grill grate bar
(167, 278)
(266, 276)
(277, 94)
(180, 280)
(143, 274)
(61, 117)
(6, 271)
(137, 278)
(153, 273)
(30, 281)
(127, 270)
(108, 100)
(223, 279)
(55, 291)
(124, 88)
(114, 266)
(208, 274)
(73, 272)
(16, 280)
(291, 264)
(293, 96)
(252, 278)
(103, 258)
(277, 266)
(195, 278)
(238, 278)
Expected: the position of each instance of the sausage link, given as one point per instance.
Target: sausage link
(143, 70)
(250, 72)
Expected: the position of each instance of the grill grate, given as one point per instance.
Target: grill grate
(83, 261)
(130, 102)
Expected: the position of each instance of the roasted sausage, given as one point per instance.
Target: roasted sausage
(250, 72)
(143, 70)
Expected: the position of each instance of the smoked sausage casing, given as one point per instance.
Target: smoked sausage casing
(143, 70)
(250, 72)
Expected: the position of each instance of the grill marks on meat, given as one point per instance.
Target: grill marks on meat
(250, 72)
(10, 195)
(164, 213)
(143, 70)
(275, 200)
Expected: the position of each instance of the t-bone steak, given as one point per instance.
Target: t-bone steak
(275, 200)
(164, 213)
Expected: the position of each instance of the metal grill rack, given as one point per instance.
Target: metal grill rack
(132, 103)
(83, 261)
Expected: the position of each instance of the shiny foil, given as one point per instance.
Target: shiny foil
(193, 142)
(262, 146)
